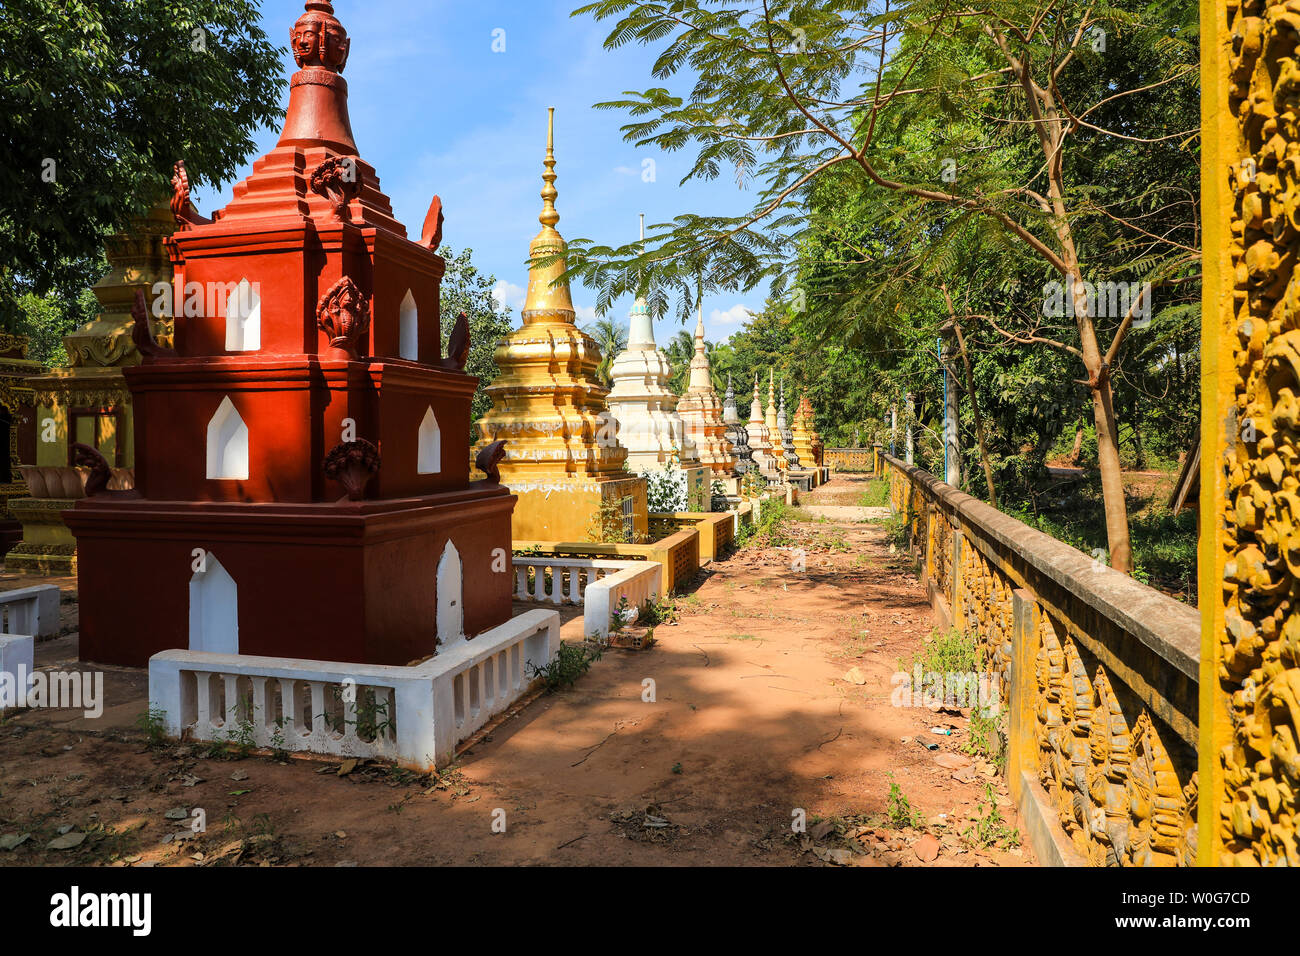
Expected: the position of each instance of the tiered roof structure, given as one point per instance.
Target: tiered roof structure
(301, 484)
(701, 411)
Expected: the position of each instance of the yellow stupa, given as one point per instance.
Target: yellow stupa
(562, 456)
(802, 429)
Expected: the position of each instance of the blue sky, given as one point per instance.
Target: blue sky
(435, 110)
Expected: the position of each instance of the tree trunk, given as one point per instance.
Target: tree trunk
(951, 421)
(1112, 479)
(908, 414)
(1078, 443)
(975, 410)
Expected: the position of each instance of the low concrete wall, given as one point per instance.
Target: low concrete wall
(33, 611)
(717, 529)
(638, 584)
(597, 584)
(679, 553)
(1097, 676)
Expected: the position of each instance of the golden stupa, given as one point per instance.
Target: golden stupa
(803, 442)
(701, 411)
(807, 441)
(562, 456)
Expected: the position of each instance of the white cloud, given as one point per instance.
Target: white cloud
(625, 170)
(508, 294)
(585, 313)
(735, 315)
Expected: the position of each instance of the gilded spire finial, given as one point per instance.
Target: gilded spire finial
(550, 216)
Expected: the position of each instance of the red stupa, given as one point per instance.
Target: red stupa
(302, 456)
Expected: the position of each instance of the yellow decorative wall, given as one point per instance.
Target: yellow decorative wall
(1250, 485)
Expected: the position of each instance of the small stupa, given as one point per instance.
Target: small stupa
(802, 431)
(88, 402)
(760, 441)
(737, 433)
(640, 401)
(562, 458)
(787, 435)
(701, 411)
(644, 409)
(776, 447)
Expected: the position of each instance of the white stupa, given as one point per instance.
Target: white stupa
(645, 408)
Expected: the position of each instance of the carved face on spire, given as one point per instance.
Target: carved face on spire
(319, 40)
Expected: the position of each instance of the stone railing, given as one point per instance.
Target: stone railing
(838, 459)
(639, 583)
(549, 579)
(597, 584)
(679, 554)
(1096, 674)
(414, 715)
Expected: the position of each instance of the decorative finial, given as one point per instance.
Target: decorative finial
(699, 327)
(549, 216)
(318, 39)
(642, 216)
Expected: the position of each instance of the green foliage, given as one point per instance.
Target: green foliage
(951, 653)
(466, 289)
(898, 809)
(892, 167)
(570, 663)
(114, 92)
(606, 525)
(898, 532)
(875, 494)
(983, 739)
(654, 612)
(611, 339)
(152, 723)
(989, 829)
(665, 488)
(773, 528)
(45, 320)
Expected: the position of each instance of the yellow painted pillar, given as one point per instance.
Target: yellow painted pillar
(1250, 361)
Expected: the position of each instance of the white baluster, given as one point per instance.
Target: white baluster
(261, 715)
(203, 702)
(320, 728)
(291, 709)
(349, 732)
(232, 701)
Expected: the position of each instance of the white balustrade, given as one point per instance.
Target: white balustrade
(413, 715)
(595, 583)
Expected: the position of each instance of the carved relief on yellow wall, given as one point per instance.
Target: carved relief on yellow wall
(1258, 660)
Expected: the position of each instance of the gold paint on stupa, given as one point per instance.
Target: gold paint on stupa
(701, 411)
(803, 433)
(562, 457)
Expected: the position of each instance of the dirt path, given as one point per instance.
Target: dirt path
(751, 723)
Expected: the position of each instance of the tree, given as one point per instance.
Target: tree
(611, 337)
(996, 99)
(466, 289)
(98, 99)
